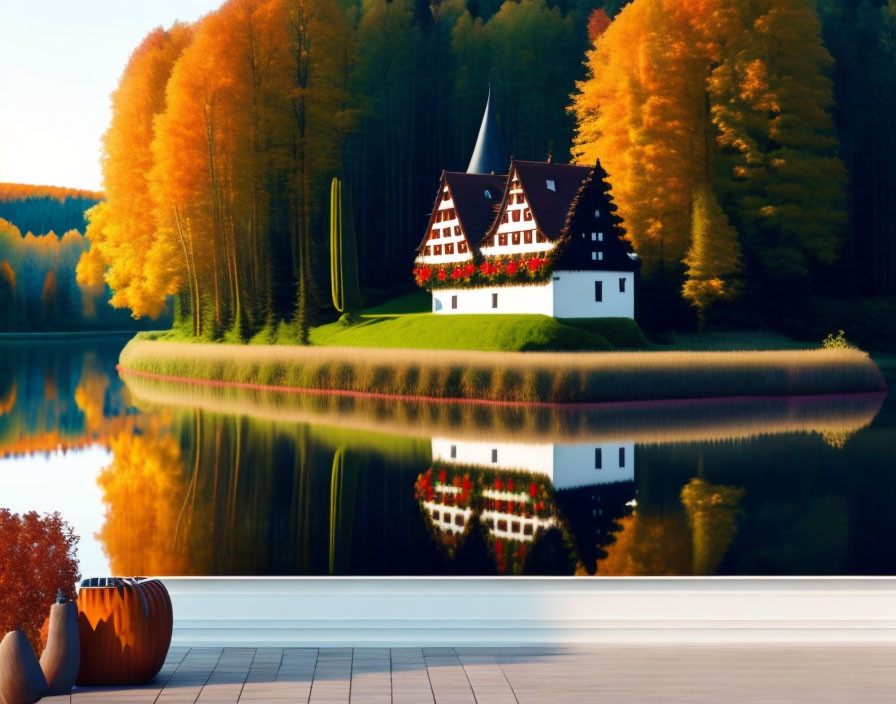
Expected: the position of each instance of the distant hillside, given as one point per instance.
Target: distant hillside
(39, 209)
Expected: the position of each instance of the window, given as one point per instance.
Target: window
(594, 256)
(527, 214)
(449, 249)
(454, 447)
(597, 213)
(437, 249)
(598, 458)
(459, 519)
(495, 305)
(600, 236)
(457, 230)
(519, 198)
(504, 217)
(540, 238)
(598, 291)
(494, 450)
(594, 237)
(622, 285)
(435, 234)
(600, 256)
(461, 247)
(487, 193)
(551, 186)
(515, 238)
(446, 232)
(427, 251)
(622, 457)
(516, 215)
(452, 214)
(453, 307)
(446, 195)
(502, 239)
(527, 237)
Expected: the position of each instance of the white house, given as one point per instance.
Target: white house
(544, 238)
(570, 468)
(567, 466)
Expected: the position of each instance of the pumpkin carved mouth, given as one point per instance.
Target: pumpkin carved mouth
(125, 626)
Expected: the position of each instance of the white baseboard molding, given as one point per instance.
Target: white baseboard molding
(421, 611)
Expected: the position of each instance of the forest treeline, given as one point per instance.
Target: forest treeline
(46, 208)
(38, 289)
(749, 145)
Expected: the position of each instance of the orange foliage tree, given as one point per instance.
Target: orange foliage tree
(38, 556)
(648, 545)
(143, 491)
(140, 267)
(687, 94)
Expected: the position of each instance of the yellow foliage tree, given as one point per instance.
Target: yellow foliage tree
(714, 258)
(713, 510)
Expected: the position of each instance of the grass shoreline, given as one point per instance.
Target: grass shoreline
(532, 377)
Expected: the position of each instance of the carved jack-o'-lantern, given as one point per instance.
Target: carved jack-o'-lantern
(125, 629)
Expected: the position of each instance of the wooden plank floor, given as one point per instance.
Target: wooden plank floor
(629, 674)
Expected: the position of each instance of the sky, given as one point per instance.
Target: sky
(60, 60)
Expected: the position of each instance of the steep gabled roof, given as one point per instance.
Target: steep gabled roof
(488, 154)
(550, 206)
(475, 209)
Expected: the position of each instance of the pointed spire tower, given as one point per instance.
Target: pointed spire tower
(488, 154)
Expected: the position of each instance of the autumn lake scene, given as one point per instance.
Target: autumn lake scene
(384, 350)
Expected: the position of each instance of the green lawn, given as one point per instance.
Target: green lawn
(509, 333)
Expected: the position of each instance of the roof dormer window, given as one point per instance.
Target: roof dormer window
(487, 193)
(551, 185)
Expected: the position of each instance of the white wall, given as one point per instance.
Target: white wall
(567, 466)
(574, 294)
(574, 465)
(399, 611)
(527, 456)
(511, 299)
(569, 295)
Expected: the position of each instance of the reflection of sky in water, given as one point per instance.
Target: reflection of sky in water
(64, 482)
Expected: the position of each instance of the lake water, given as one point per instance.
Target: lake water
(168, 479)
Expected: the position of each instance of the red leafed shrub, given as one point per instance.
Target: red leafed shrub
(469, 270)
(38, 556)
(442, 275)
(512, 268)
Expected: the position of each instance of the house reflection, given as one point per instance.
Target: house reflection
(521, 491)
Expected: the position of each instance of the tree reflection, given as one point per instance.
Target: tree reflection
(141, 489)
(713, 511)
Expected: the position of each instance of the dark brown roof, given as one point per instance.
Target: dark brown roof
(475, 210)
(550, 208)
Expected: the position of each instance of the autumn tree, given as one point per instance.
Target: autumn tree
(714, 258)
(713, 511)
(647, 121)
(143, 490)
(780, 177)
(126, 251)
(38, 556)
(598, 22)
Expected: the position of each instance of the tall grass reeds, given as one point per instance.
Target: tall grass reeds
(543, 377)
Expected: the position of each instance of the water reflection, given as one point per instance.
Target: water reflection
(206, 481)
